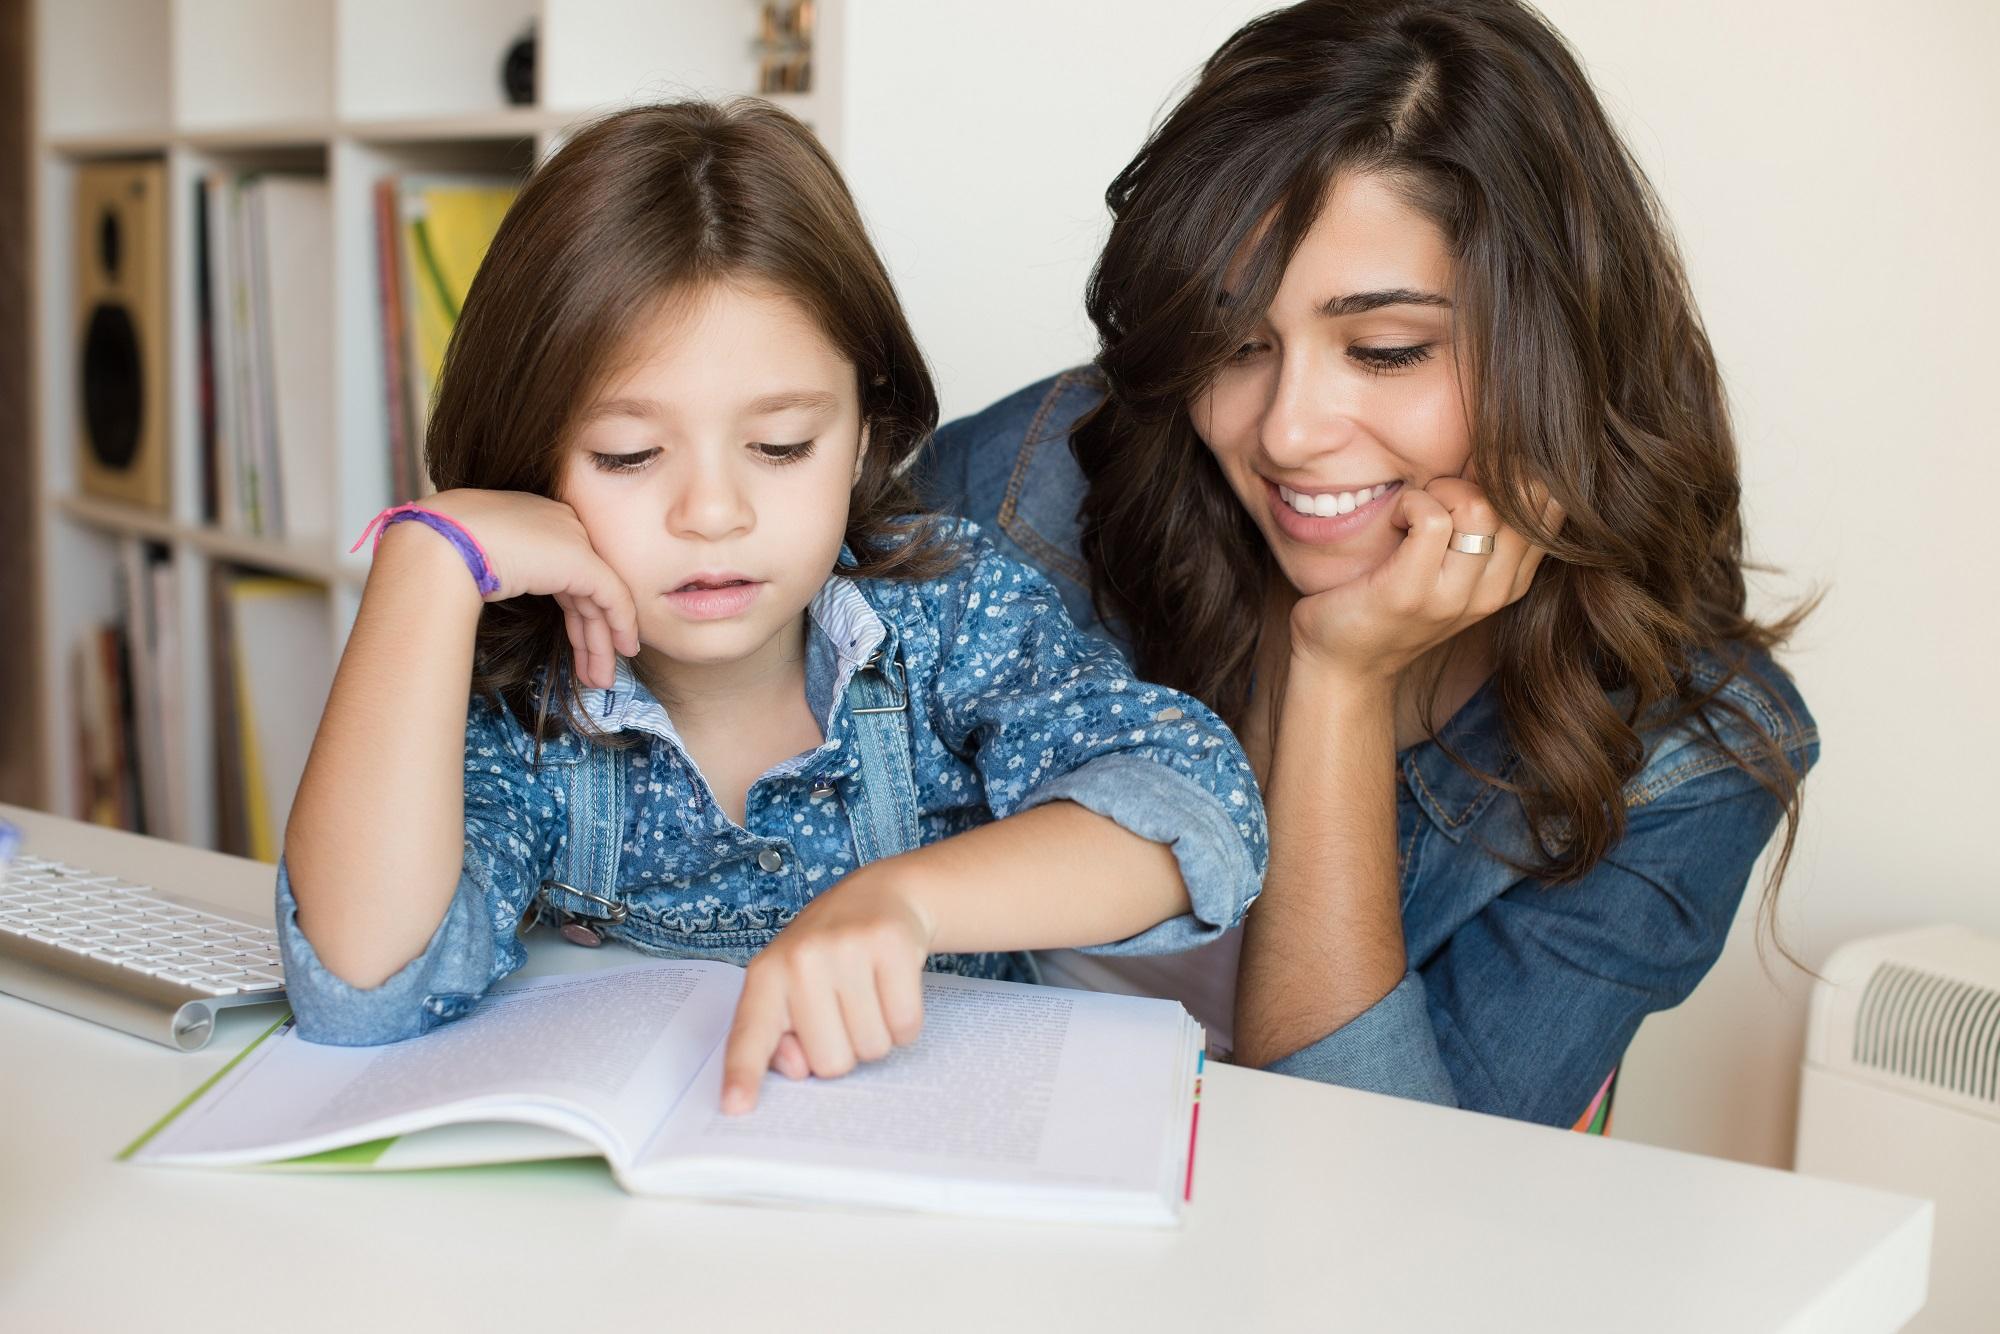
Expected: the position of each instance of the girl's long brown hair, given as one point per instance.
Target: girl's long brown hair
(636, 207)
(1591, 375)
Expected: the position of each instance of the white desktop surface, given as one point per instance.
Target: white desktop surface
(1314, 1207)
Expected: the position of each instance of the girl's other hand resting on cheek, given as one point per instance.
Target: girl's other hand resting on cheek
(843, 983)
(537, 545)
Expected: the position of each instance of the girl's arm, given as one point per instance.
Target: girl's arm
(1129, 820)
(376, 833)
(376, 838)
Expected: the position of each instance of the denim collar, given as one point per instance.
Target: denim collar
(842, 633)
(1447, 793)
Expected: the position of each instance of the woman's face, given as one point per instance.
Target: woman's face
(1347, 390)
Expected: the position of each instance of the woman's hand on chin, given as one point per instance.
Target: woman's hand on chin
(1373, 627)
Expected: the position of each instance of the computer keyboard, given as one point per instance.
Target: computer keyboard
(124, 954)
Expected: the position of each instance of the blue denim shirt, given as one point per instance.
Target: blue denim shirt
(1520, 997)
(1009, 707)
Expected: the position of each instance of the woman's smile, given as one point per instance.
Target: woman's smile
(1328, 516)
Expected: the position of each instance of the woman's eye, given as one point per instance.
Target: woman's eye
(784, 453)
(623, 462)
(1379, 359)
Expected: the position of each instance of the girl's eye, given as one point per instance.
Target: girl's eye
(1378, 360)
(623, 462)
(1248, 352)
(785, 453)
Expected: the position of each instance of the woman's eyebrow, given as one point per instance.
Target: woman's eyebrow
(1357, 303)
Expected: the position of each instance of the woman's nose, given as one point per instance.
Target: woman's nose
(1304, 417)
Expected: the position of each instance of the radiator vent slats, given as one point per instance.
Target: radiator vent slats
(1931, 1029)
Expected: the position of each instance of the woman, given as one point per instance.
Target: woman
(1405, 450)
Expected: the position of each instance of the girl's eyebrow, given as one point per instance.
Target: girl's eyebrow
(781, 401)
(622, 407)
(786, 399)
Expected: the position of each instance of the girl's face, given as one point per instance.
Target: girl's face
(1348, 390)
(713, 474)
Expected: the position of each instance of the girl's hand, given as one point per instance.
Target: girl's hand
(842, 983)
(1375, 626)
(537, 545)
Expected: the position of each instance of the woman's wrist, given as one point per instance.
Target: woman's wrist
(1321, 685)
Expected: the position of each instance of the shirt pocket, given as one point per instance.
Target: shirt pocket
(703, 921)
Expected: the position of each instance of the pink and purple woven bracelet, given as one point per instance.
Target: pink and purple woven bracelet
(463, 542)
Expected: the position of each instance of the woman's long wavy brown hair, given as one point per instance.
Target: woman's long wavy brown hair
(637, 207)
(1590, 374)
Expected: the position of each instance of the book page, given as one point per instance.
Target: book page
(619, 1045)
(1007, 1084)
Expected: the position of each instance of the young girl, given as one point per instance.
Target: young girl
(730, 698)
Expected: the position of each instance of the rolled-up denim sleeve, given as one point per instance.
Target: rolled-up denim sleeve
(1048, 713)
(510, 821)
(1387, 1048)
(1531, 1003)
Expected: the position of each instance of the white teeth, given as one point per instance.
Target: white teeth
(1329, 503)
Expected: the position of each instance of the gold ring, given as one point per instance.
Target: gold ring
(1472, 544)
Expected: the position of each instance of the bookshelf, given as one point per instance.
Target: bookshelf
(344, 91)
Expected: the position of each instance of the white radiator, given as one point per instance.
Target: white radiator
(1901, 1090)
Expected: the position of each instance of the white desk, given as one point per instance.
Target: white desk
(1315, 1207)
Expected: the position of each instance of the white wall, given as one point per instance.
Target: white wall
(1831, 169)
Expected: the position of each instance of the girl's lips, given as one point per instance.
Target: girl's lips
(714, 604)
(1333, 528)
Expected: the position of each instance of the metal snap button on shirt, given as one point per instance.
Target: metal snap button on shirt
(770, 859)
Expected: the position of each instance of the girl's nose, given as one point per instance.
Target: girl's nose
(709, 504)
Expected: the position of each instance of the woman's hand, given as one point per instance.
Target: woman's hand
(537, 545)
(1375, 626)
(841, 984)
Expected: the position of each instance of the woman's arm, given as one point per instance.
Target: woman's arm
(1326, 940)
(1534, 1000)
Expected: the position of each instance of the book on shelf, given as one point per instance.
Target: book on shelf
(150, 721)
(273, 658)
(264, 263)
(1019, 1102)
(429, 246)
(107, 778)
(126, 702)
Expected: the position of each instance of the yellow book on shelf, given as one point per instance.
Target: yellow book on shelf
(282, 657)
(446, 224)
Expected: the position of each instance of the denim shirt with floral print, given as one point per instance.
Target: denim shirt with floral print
(1009, 707)
(1520, 997)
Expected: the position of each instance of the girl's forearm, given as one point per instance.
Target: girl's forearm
(375, 840)
(1325, 942)
(1054, 876)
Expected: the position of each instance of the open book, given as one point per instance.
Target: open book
(1017, 1102)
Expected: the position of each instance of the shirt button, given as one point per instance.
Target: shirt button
(822, 792)
(770, 859)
